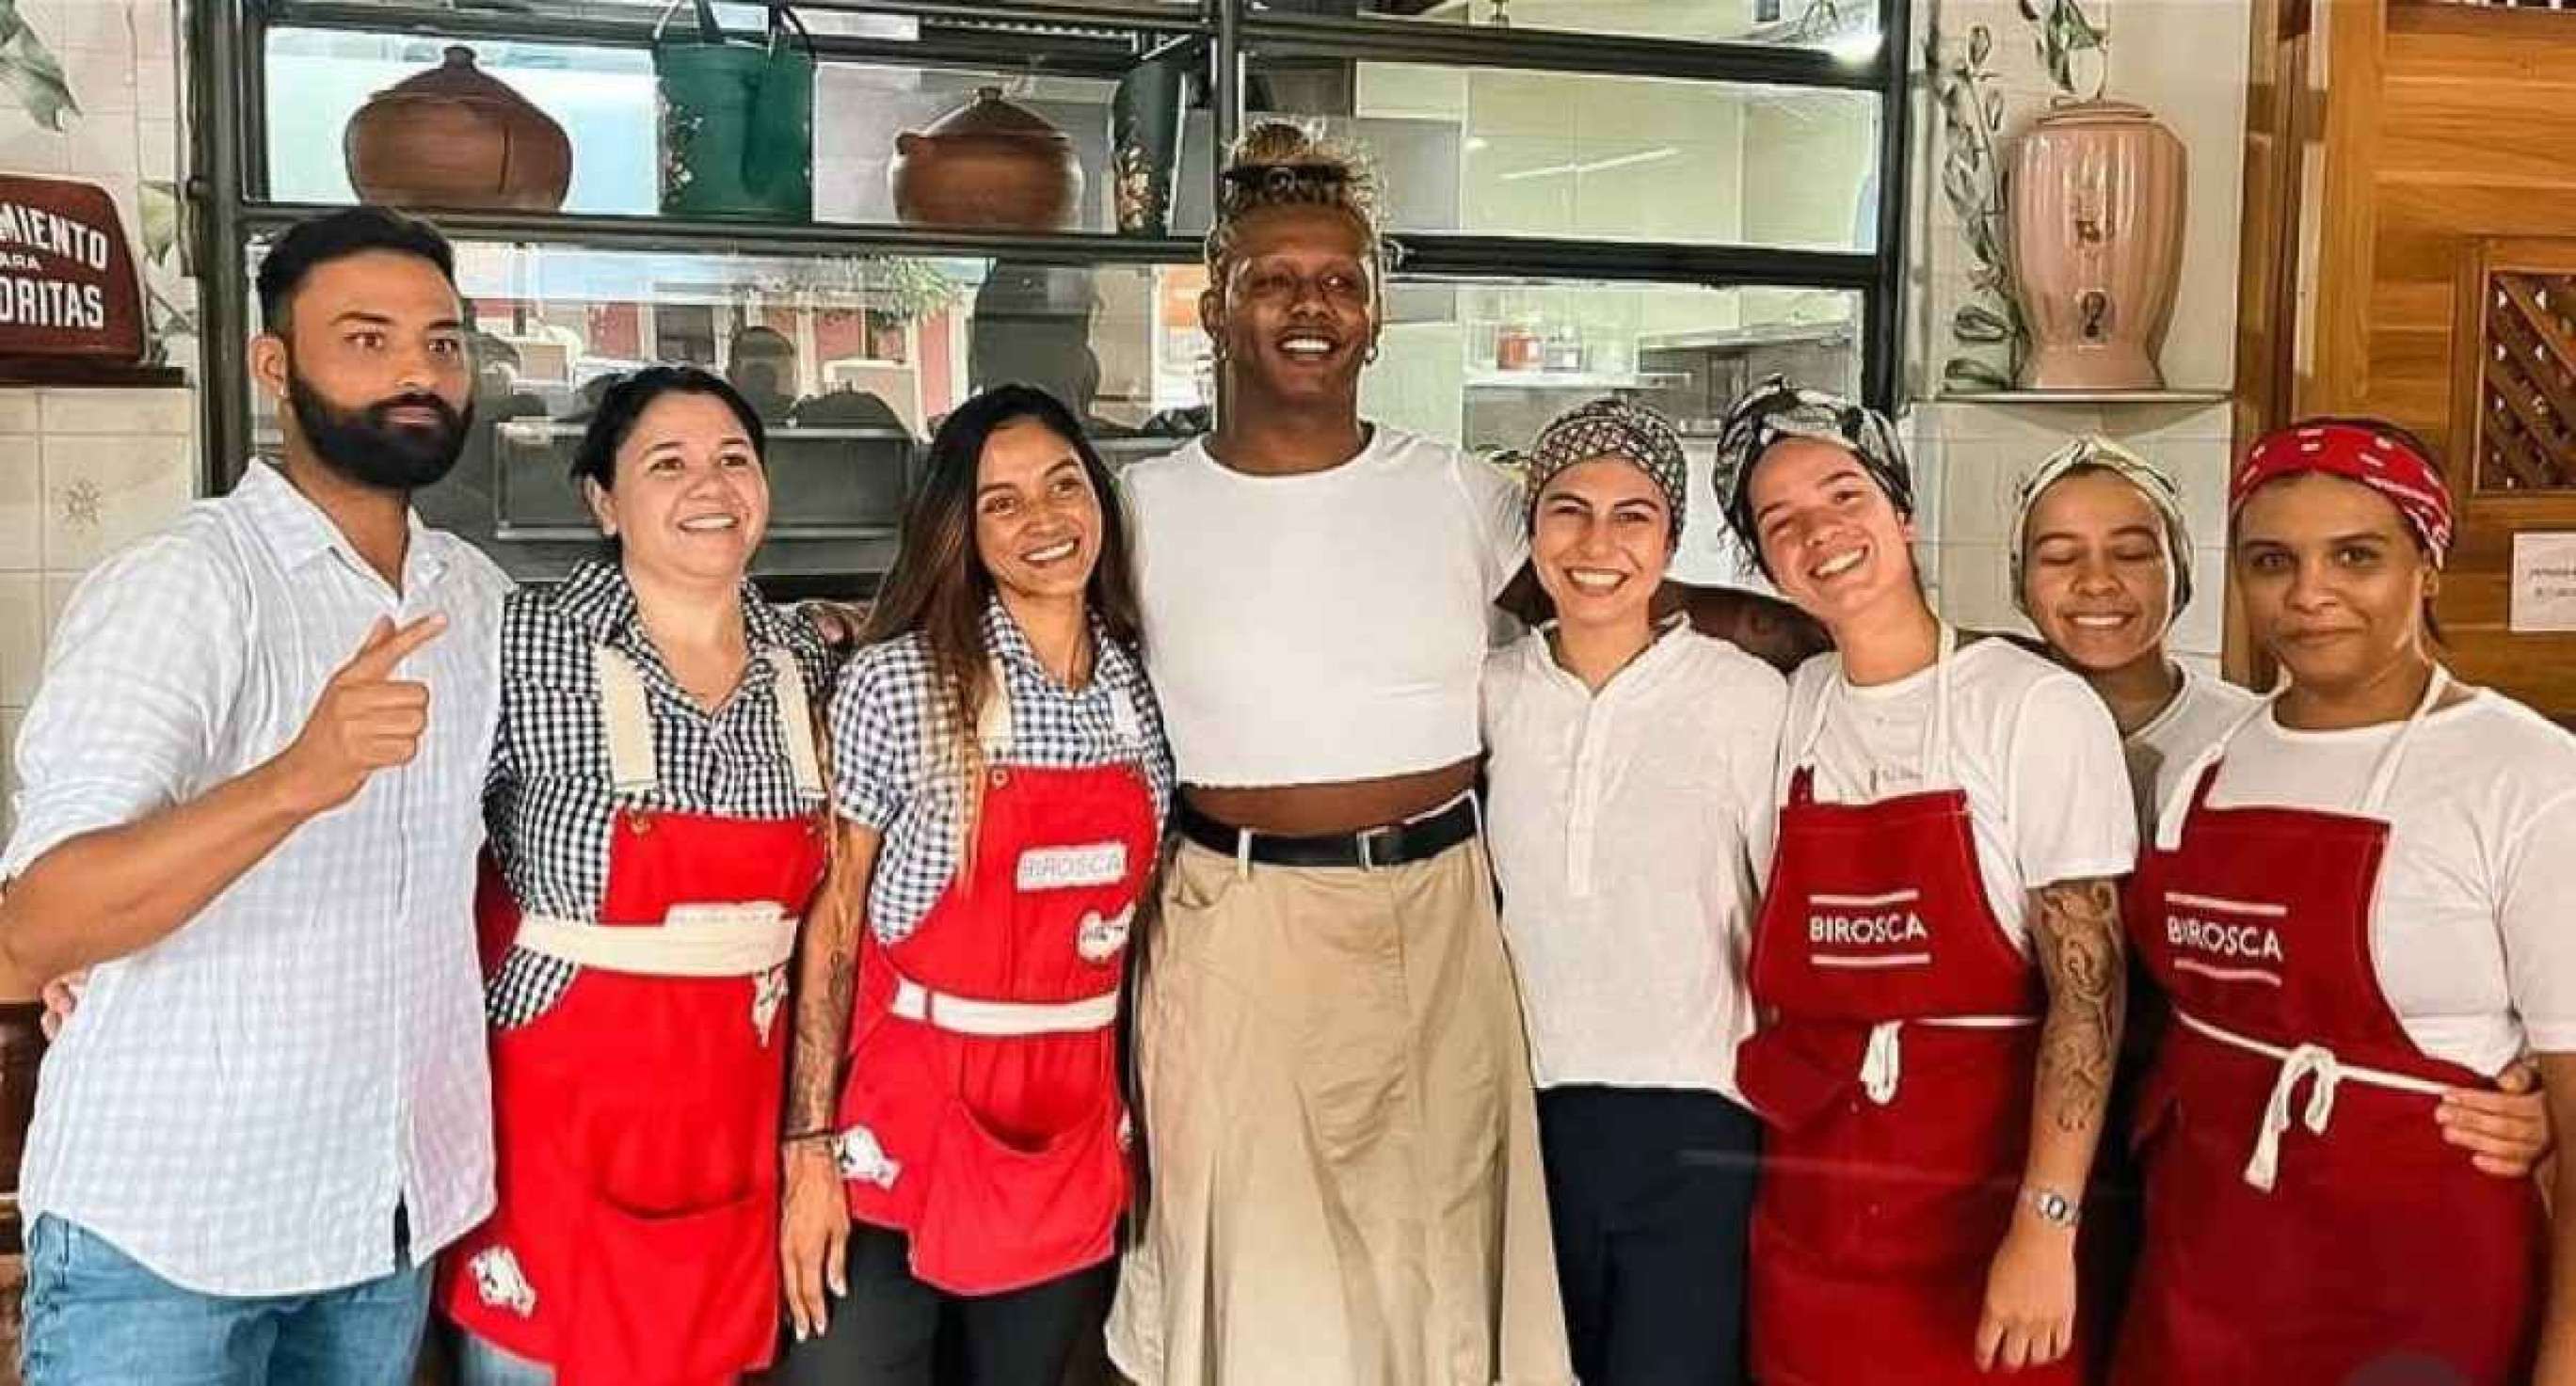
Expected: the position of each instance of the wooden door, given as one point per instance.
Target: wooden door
(2512, 465)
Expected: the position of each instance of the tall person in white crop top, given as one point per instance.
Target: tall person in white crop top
(1343, 1161)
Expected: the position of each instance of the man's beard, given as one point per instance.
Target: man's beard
(366, 447)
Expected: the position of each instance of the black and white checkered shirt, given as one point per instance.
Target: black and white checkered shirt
(548, 803)
(886, 773)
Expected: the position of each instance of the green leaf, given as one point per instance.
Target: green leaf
(29, 69)
(1977, 323)
(1968, 375)
(1981, 42)
(159, 211)
(1994, 110)
(2030, 10)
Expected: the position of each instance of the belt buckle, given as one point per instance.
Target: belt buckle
(1389, 832)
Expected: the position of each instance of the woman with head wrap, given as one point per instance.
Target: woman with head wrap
(2356, 903)
(2101, 563)
(1629, 798)
(1937, 957)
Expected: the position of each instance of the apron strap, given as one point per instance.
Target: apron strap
(2386, 774)
(993, 724)
(629, 719)
(795, 721)
(2203, 772)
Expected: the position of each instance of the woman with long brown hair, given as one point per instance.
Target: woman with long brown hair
(955, 1144)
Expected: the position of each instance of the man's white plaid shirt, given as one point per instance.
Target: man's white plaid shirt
(243, 1106)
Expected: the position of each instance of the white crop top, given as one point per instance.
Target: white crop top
(1324, 627)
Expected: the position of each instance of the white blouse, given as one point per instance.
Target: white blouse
(1630, 831)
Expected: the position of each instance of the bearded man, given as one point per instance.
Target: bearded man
(249, 802)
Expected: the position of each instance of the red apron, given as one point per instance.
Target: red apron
(1895, 1064)
(637, 1119)
(2362, 1243)
(982, 1114)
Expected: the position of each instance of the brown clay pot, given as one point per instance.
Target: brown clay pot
(989, 164)
(456, 137)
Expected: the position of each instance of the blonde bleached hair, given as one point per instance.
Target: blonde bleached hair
(1280, 163)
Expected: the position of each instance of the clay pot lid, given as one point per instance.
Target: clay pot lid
(990, 116)
(456, 75)
(2098, 113)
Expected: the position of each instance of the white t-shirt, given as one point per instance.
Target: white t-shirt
(2033, 747)
(1631, 831)
(1323, 627)
(2474, 926)
(2203, 710)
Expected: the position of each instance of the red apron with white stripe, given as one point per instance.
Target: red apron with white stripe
(1895, 1065)
(637, 1118)
(2306, 1224)
(982, 1114)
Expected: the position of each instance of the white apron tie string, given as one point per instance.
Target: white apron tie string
(2311, 1061)
(2306, 1061)
(1882, 1061)
(1882, 1064)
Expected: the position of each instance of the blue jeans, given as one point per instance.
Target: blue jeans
(481, 1362)
(96, 1317)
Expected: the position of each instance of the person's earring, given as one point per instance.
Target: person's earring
(1370, 359)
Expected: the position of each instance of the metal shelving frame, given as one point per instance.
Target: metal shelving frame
(231, 203)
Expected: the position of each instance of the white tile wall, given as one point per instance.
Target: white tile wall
(9, 719)
(22, 635)
(103, 492)
(21, 503)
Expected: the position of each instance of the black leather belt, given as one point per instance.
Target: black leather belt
(1417, 839)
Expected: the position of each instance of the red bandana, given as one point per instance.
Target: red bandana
(2383, 461)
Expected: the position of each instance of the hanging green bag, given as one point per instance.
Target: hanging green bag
(737, 119)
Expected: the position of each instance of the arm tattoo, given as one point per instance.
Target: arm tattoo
(827, 979)
(2076, 929)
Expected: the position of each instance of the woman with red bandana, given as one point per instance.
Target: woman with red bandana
(2355, 900)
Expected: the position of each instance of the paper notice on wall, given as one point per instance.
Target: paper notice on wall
(2544, 582)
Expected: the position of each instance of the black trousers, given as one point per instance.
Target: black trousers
(1650, 1191)
(893, 1330)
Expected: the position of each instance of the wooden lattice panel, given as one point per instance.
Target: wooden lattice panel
(2526, 396)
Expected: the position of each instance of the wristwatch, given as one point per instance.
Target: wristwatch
(2054, 1208)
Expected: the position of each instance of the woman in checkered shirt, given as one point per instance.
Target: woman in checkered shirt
(655, 810)
(1001, 782)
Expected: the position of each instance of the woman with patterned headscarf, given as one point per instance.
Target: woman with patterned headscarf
(1630, 802)
(2356, 904)
(1937, 956)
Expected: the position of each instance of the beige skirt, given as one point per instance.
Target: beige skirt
(1344, 1151)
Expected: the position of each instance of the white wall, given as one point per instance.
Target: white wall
(83, 472)
(2186, 61)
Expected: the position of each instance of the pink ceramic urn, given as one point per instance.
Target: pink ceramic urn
(2097, 207)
